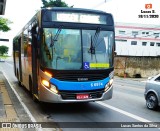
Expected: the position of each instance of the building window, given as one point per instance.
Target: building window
(121, 32)
(151, 43)
(144, 43)
(158, 44)
(134, 33)
(133, 42)
(145, 33)
(156, 35)
(121, 40)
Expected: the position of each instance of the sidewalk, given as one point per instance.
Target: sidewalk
(11, 109)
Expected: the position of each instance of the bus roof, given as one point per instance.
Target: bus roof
(80, 10)
(74, 9)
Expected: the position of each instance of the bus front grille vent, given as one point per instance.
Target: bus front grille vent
(80, 77)
(72, 95)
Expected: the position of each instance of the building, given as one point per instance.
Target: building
(137, 39)
(2, 6)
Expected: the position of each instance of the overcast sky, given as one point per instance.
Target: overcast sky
(20, 11)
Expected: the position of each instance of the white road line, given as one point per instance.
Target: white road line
(9, 64)
(20, 100)
(124, 112)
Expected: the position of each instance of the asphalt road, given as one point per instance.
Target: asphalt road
(127, 105)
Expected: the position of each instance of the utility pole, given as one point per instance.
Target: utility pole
(2, 6)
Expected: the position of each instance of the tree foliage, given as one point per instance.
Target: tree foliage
(54, 3)
(3, 50)
(4, 24)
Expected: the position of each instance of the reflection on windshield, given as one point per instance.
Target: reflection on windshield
(101, 58)
(70, 53)
(65, 53)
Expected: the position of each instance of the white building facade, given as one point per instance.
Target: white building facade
(137, 39)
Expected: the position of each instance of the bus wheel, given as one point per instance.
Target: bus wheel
(31, 90)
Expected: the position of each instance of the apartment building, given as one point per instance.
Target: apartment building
(137, 39)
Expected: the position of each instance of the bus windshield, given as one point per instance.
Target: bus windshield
(75, 49)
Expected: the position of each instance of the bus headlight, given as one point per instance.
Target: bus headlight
(51, 87)
(54, 89)
(108, 85)
(45, 83)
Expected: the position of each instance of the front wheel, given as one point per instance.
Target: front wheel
(151, 101)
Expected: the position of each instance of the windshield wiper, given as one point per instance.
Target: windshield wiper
(92, 48)
(56, 36)
(94, 40)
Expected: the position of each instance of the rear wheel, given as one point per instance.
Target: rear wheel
(151, 101)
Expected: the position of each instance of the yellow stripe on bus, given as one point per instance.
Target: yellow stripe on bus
(99, 65)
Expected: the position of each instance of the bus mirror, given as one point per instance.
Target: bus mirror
(115, 53)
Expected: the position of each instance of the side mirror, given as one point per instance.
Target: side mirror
(115, 53)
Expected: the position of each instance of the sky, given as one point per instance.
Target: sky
(127, 11)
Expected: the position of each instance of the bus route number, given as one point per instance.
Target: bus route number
(96, 84)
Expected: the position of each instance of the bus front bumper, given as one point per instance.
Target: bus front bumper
(46, 95)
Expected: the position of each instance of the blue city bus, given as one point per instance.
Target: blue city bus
(66, 55)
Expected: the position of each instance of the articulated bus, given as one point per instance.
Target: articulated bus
(66, 55)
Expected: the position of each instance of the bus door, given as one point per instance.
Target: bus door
(34, 61)
(19, 71)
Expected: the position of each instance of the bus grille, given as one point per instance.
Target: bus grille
(80, 77)
(72, 95)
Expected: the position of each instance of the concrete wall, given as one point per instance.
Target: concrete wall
(136, 66)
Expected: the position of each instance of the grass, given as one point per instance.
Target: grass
(3, 57)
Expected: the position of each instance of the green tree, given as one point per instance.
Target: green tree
(54, 3)
(4, 24)
(3, 50)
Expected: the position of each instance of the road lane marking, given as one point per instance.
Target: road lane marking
(9, 64)
(20, 100)
(127, 113)
(124, 112)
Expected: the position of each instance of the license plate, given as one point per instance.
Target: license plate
(82, 96)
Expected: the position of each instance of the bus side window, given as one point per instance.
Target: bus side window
(25, 43)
